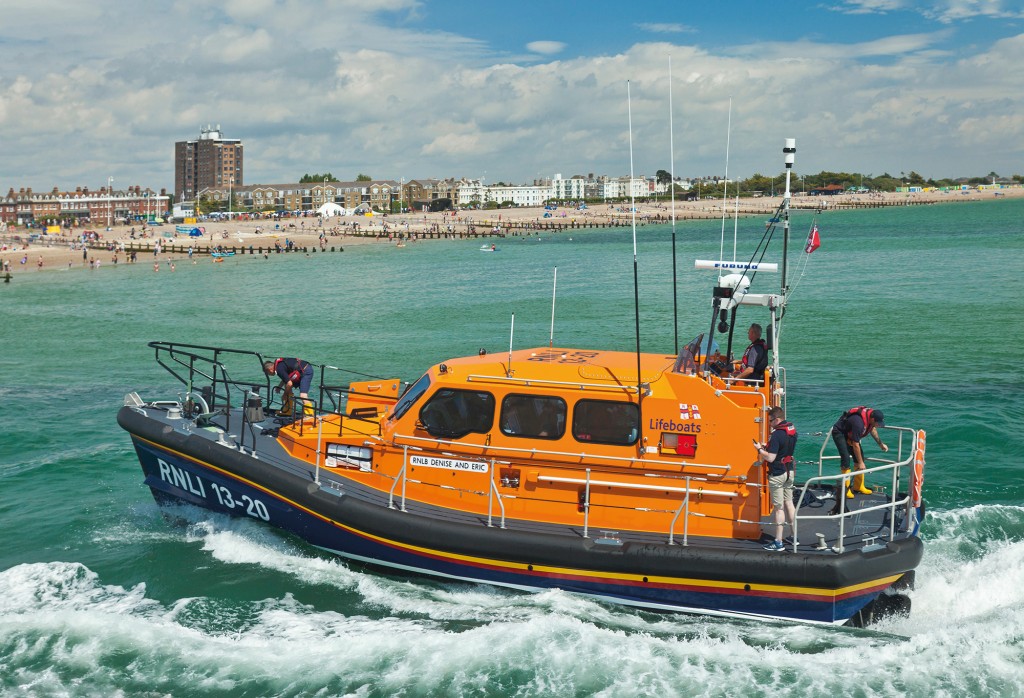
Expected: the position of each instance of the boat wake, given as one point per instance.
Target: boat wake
(66, 629)
(973, 573)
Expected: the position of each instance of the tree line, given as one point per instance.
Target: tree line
(312, 178)
(763, 185)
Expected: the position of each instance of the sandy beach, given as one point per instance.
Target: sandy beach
(63, 252)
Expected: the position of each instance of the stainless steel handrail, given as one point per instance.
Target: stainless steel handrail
(579, 385)
(842, 481)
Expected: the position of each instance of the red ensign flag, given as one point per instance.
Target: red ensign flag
(813, 241)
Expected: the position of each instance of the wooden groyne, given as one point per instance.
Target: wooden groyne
(147, 247)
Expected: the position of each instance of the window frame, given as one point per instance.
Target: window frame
(578, 436)
(522, 434)
(411, 395)
(471, 426)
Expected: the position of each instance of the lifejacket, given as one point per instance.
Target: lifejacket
(762, 362)
(866, 415)
(784, 462)
(293, 367)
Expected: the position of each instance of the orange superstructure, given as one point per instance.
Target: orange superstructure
(562, 437)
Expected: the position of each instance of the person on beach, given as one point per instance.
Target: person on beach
(852, 426)
(292, 372)
(778, 456)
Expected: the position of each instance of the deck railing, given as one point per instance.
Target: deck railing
(900, 469)
(208, 376)
(686, 486)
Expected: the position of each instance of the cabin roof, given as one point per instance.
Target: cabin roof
(562, 364)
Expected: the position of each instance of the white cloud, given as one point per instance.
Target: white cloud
(945, 11)
(873, 6)
(328, 86)
(546, 47)
(665, 28)
(804, 49)
(953, 10)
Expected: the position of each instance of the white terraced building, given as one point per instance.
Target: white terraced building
(574, 188)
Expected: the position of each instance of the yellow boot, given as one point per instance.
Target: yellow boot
(858, 485)
(849, 492)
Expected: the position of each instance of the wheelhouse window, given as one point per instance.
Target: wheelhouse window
(452, 414)
(411, 395)
(606, 422)
(534, 416)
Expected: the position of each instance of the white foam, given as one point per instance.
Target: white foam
(63, 631)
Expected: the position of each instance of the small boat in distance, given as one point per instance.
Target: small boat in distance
(489, 248)
(628, 477)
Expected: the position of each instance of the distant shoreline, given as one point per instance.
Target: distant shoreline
(305, 232)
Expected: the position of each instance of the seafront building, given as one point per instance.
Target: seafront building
(419, 194)
(107, 205)
(377, 195)
(209, 172)
(82, 207)
(209, 161)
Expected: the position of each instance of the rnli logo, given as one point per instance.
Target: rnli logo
(687, 411)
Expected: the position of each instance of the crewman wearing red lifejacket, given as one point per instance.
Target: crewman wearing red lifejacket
(778, 456)
(853, 425)
(292, 372)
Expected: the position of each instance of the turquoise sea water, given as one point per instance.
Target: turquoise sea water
(913, 310)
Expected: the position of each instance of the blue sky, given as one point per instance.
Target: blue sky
(508, 91)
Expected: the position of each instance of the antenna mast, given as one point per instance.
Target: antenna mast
(636, 283)
(554, 289)
(725, 188)
(511, 333)
(672, 189)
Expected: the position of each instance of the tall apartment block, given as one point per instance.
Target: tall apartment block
(210, 161)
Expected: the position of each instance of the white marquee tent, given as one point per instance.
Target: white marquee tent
(331, 209)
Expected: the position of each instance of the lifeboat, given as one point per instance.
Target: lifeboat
(624, 476)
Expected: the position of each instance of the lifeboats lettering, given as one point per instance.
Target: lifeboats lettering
(659, 424)
(449, 464)
(181, 478)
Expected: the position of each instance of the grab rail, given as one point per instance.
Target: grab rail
(195, 364)
(842, 481)
(587, 481)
